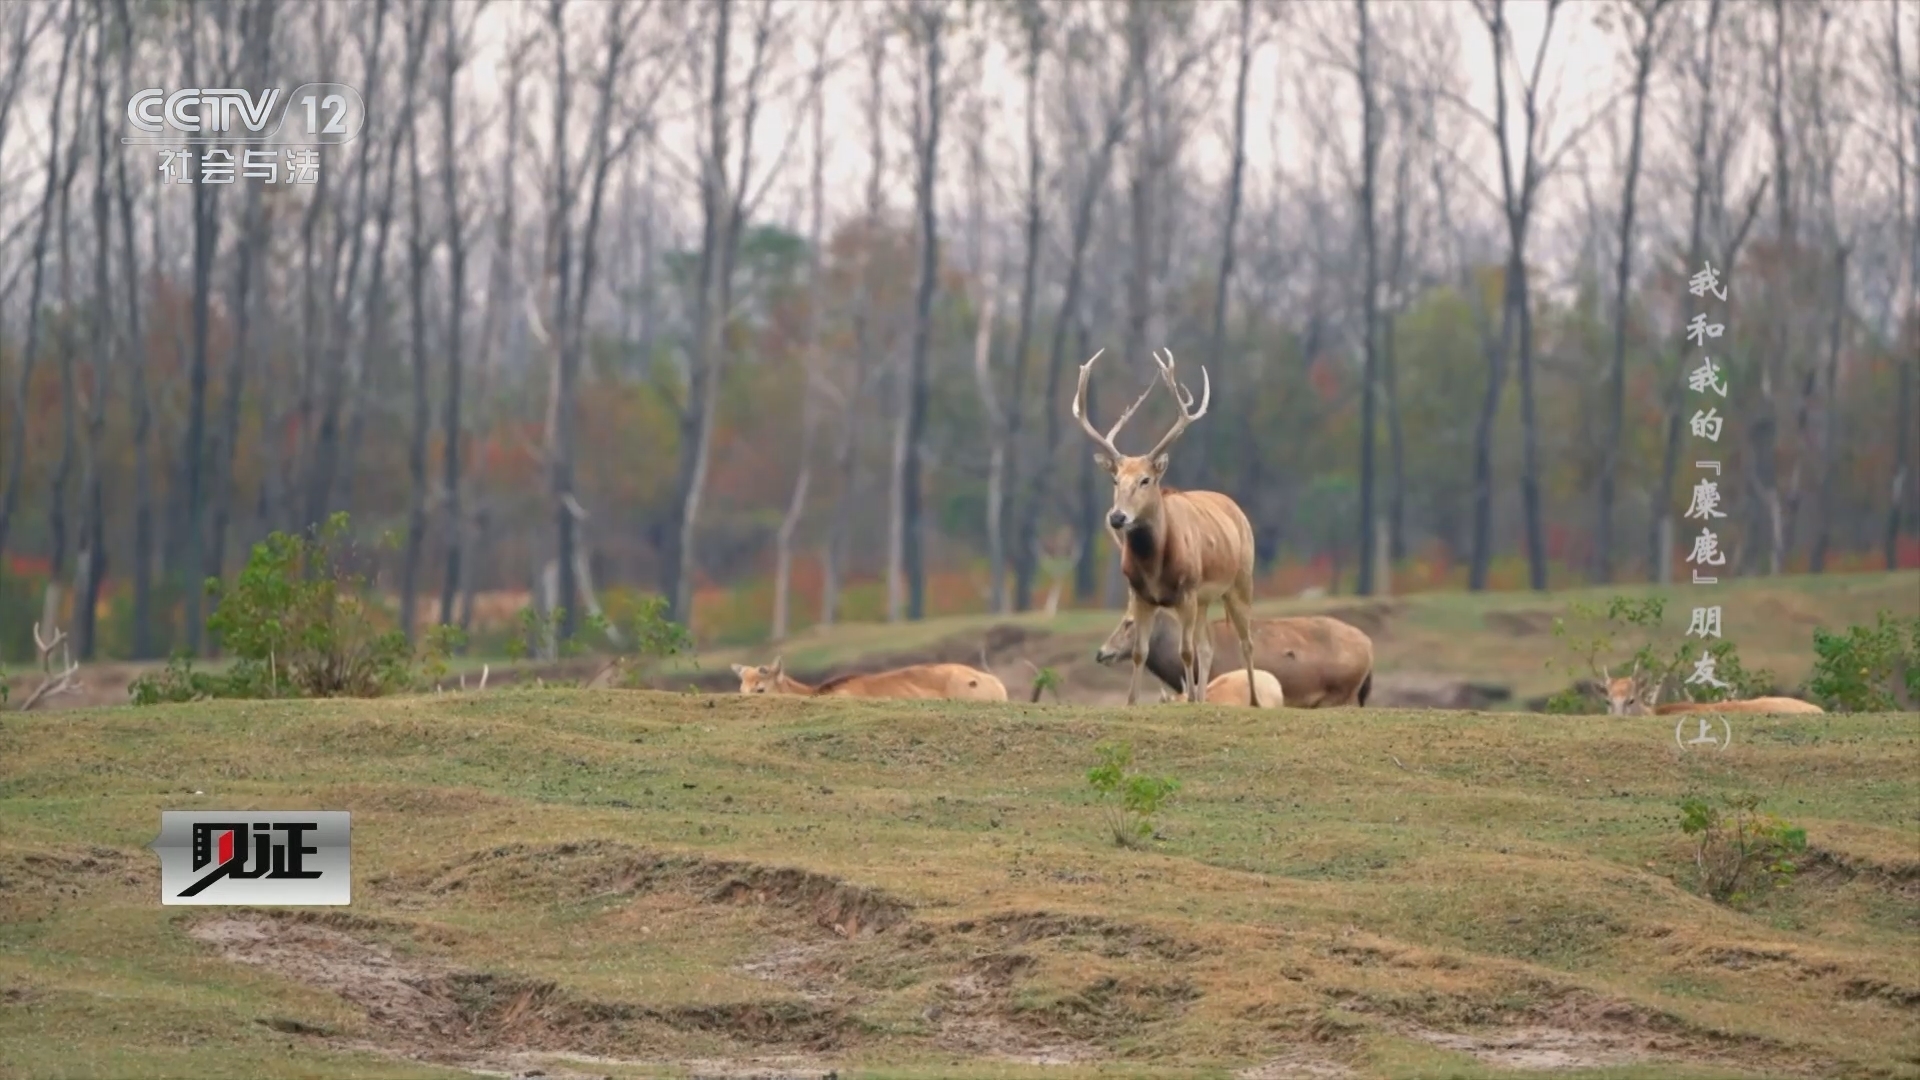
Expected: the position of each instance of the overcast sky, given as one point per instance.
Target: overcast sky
(1585, 68)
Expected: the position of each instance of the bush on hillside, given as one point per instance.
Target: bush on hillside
(1868, 668)
(298, 623)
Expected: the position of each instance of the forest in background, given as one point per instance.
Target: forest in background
(592, 309)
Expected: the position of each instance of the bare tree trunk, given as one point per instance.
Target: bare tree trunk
(69, 398)
(560, 416)
(451, 420)
(1823, 445)
(419, 249)
(1370, 298)
(30, 353)
(1229, 228)
(206, 242)
(709, 319)
(138, 403)
(340, 375)
(1518, 196)
(816, 295)
(257, 38)
(932, 24)
(1026, 543)
(1390, 385)
(1643, 57)
(846, 454)
(1674, 381)
(1034, 21)
(1907, 310)
(91, 565)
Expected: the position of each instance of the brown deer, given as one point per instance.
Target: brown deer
(1231, 689)
(954, 682)
(1320, 661)
(1179, 550)
(1634, 695)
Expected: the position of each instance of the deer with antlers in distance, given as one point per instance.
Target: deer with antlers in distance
(1179, 550)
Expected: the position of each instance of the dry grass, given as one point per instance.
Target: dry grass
(609, 883)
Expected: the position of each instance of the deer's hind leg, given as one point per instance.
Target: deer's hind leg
(1239, 603)
(1203, 648)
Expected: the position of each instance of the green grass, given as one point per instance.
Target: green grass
(654, 881)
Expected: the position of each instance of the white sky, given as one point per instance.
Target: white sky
(1585, 67)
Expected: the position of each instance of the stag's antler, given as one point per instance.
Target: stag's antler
(1080, 409)
(1182, 397)
(52, 683)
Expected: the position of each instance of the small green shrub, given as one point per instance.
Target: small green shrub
(1045, 680)
(1739, 850)
(1868, 668)
(1128, 800)
(297, 624)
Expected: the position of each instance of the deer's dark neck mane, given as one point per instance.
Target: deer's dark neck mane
(1149, 550)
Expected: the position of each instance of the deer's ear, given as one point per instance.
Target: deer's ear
(1160, 465)
(740, 669)
(1105, 461)
(773, 668)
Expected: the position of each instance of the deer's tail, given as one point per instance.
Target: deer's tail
(1366, 687)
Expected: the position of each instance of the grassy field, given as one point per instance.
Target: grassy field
(1497, 638)
(640, 884)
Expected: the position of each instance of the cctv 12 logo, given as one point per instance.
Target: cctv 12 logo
(318, 113)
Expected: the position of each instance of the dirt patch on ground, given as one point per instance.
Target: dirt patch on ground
(603, 868)
(1546, 1047)
(971, 1014)
(33, 881)
(1297, 1065)
(1112, 939)
(425, 1009)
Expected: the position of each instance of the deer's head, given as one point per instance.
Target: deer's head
(1137, 480)
(1632, 694)
(769, 679)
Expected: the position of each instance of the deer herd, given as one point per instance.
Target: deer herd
(1180, 552)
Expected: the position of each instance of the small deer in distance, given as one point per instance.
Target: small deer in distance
(1179, 550)
(1634, 694)
(954, 682)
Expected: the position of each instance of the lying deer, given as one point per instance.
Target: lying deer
(954, 682)
(1179, 550)
(1231, 689)
(1319, 661)
(1634, 695)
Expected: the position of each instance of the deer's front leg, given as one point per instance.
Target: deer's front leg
(1142, 615)
(1189, 614)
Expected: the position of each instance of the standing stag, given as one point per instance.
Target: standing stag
(1179, 550)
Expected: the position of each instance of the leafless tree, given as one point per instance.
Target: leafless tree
(846, 450)
(1646, 35)
(811, 360)
(456, 47)
(1113, 110)
(929, 21)
(30, 352)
